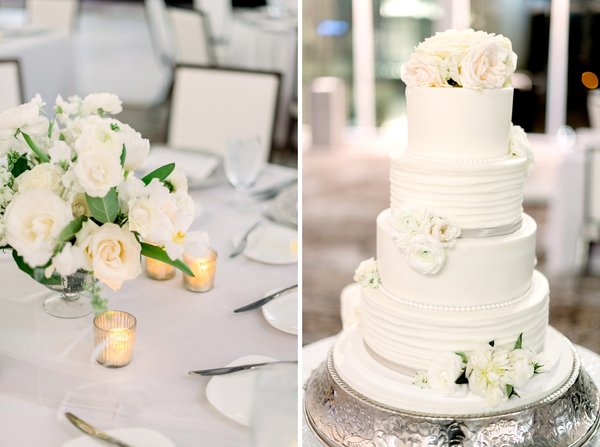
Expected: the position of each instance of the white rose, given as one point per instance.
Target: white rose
(488, 64)
(132, 188)
(101, 103)
(60, 152)
(68, 261)
(424, 70)
(408, 222)
(34, 219)
(367, 274)
(114, 254)
(136, 147)
(178, 179)
(25, 117)
(147, 219)
(443, 231)
(452, 41)
(521, 367)
(486, 372)
(519, 146)
(97, 172)
(97, 135)
(443, 372)
(425, 254)
(42, 176)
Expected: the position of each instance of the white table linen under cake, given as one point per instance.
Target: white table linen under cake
(46, 61)
(259, 42)
(46, 364)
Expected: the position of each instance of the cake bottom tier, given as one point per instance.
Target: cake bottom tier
(411, 335)
(341, 410)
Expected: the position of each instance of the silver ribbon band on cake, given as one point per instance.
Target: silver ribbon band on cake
(491, 232)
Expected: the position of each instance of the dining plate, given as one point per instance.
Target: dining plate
(200, 168)
(282, 312)
(134, 436)
(233, 394)
(271, 244)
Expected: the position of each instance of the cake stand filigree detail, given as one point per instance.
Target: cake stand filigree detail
(341, 417)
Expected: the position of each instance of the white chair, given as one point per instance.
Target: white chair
(191, 37)
(11, 91)
(56, 15)
(161, 31)
(220, 14)
(212, 106)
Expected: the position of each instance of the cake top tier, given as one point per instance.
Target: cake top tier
(461, 58)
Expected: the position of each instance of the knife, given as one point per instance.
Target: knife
(241, 246)
(265, 300)
(94, 432)
(232, 369)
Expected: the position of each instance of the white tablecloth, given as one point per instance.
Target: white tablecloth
(46, 365)
(47, 64)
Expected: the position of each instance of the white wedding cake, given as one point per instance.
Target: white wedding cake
(452, 317)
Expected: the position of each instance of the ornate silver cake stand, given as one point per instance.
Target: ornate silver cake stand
(338, 416)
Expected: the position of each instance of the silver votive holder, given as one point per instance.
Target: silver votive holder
(114, 338)
(203, 268)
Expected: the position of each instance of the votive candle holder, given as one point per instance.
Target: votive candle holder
(114, 338)
(203, 268)
(159, 270)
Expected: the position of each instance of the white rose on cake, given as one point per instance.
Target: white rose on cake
(424, 70)
(519, 146)
(443, 373)
(489, 64)
(42, 176)
(409, 221)
(367, 274)
(443, 231)
(34, 219)
(486, 371)
(98, 172)
(425, 254)
(113, 252)
(521, 368)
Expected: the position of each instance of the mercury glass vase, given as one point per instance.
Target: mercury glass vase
(70, 299)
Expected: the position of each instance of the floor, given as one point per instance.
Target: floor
(343, 192)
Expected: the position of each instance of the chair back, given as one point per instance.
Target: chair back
(220, 14)
(161, 31)
(592, 185)
(191, 37)
(212, 106)
(11, 91)
(56, 15)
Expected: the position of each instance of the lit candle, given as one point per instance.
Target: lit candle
(159, 270)
(114, 337)
(203, 267)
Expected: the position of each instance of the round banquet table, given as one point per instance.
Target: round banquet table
(316, 353)
(46, 365)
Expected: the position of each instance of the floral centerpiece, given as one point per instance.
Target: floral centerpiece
(70, 201)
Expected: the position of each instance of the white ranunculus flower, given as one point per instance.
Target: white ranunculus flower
(98, 172)
(147, 219)
(137, 147)
(179, 180)
(101, 103)
(68, 261)
(486, 372)
(131, 189)
(25, 117)
(34, 219)
(69, 107)
(60, 152)
(519, 146)
(408, 222)
(423, 70)
(443, 372)
(367, 274)
(96, 135)
(488, 65)
(42, 176)
(521, 367)
(114, 254)
(443, 231)
(425, 254)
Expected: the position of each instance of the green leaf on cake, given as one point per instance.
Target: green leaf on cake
(154, 252)
(519, 342)
(104, 209)
(462, 379)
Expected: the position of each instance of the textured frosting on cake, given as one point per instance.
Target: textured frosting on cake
(472, 193)
(477, 271)
(458, 123)
(411, 336)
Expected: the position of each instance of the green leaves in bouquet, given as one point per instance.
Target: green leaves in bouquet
(154, 252)
(37, 273)
(69, 232)
(41, 155)
(161, 173)
(17, 163)
(123, 155)
(104, 209)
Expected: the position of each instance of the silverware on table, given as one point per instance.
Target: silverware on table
(241, 246)
(232, 369)
(271, 191)
(94, 432)
(265, 300)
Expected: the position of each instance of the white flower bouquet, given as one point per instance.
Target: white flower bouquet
(461, 58)
(70, 201)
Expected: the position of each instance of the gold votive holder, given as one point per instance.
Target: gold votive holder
(159, 270)
(204, 268)
(114, 337)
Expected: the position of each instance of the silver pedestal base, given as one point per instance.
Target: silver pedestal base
(340, 417)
